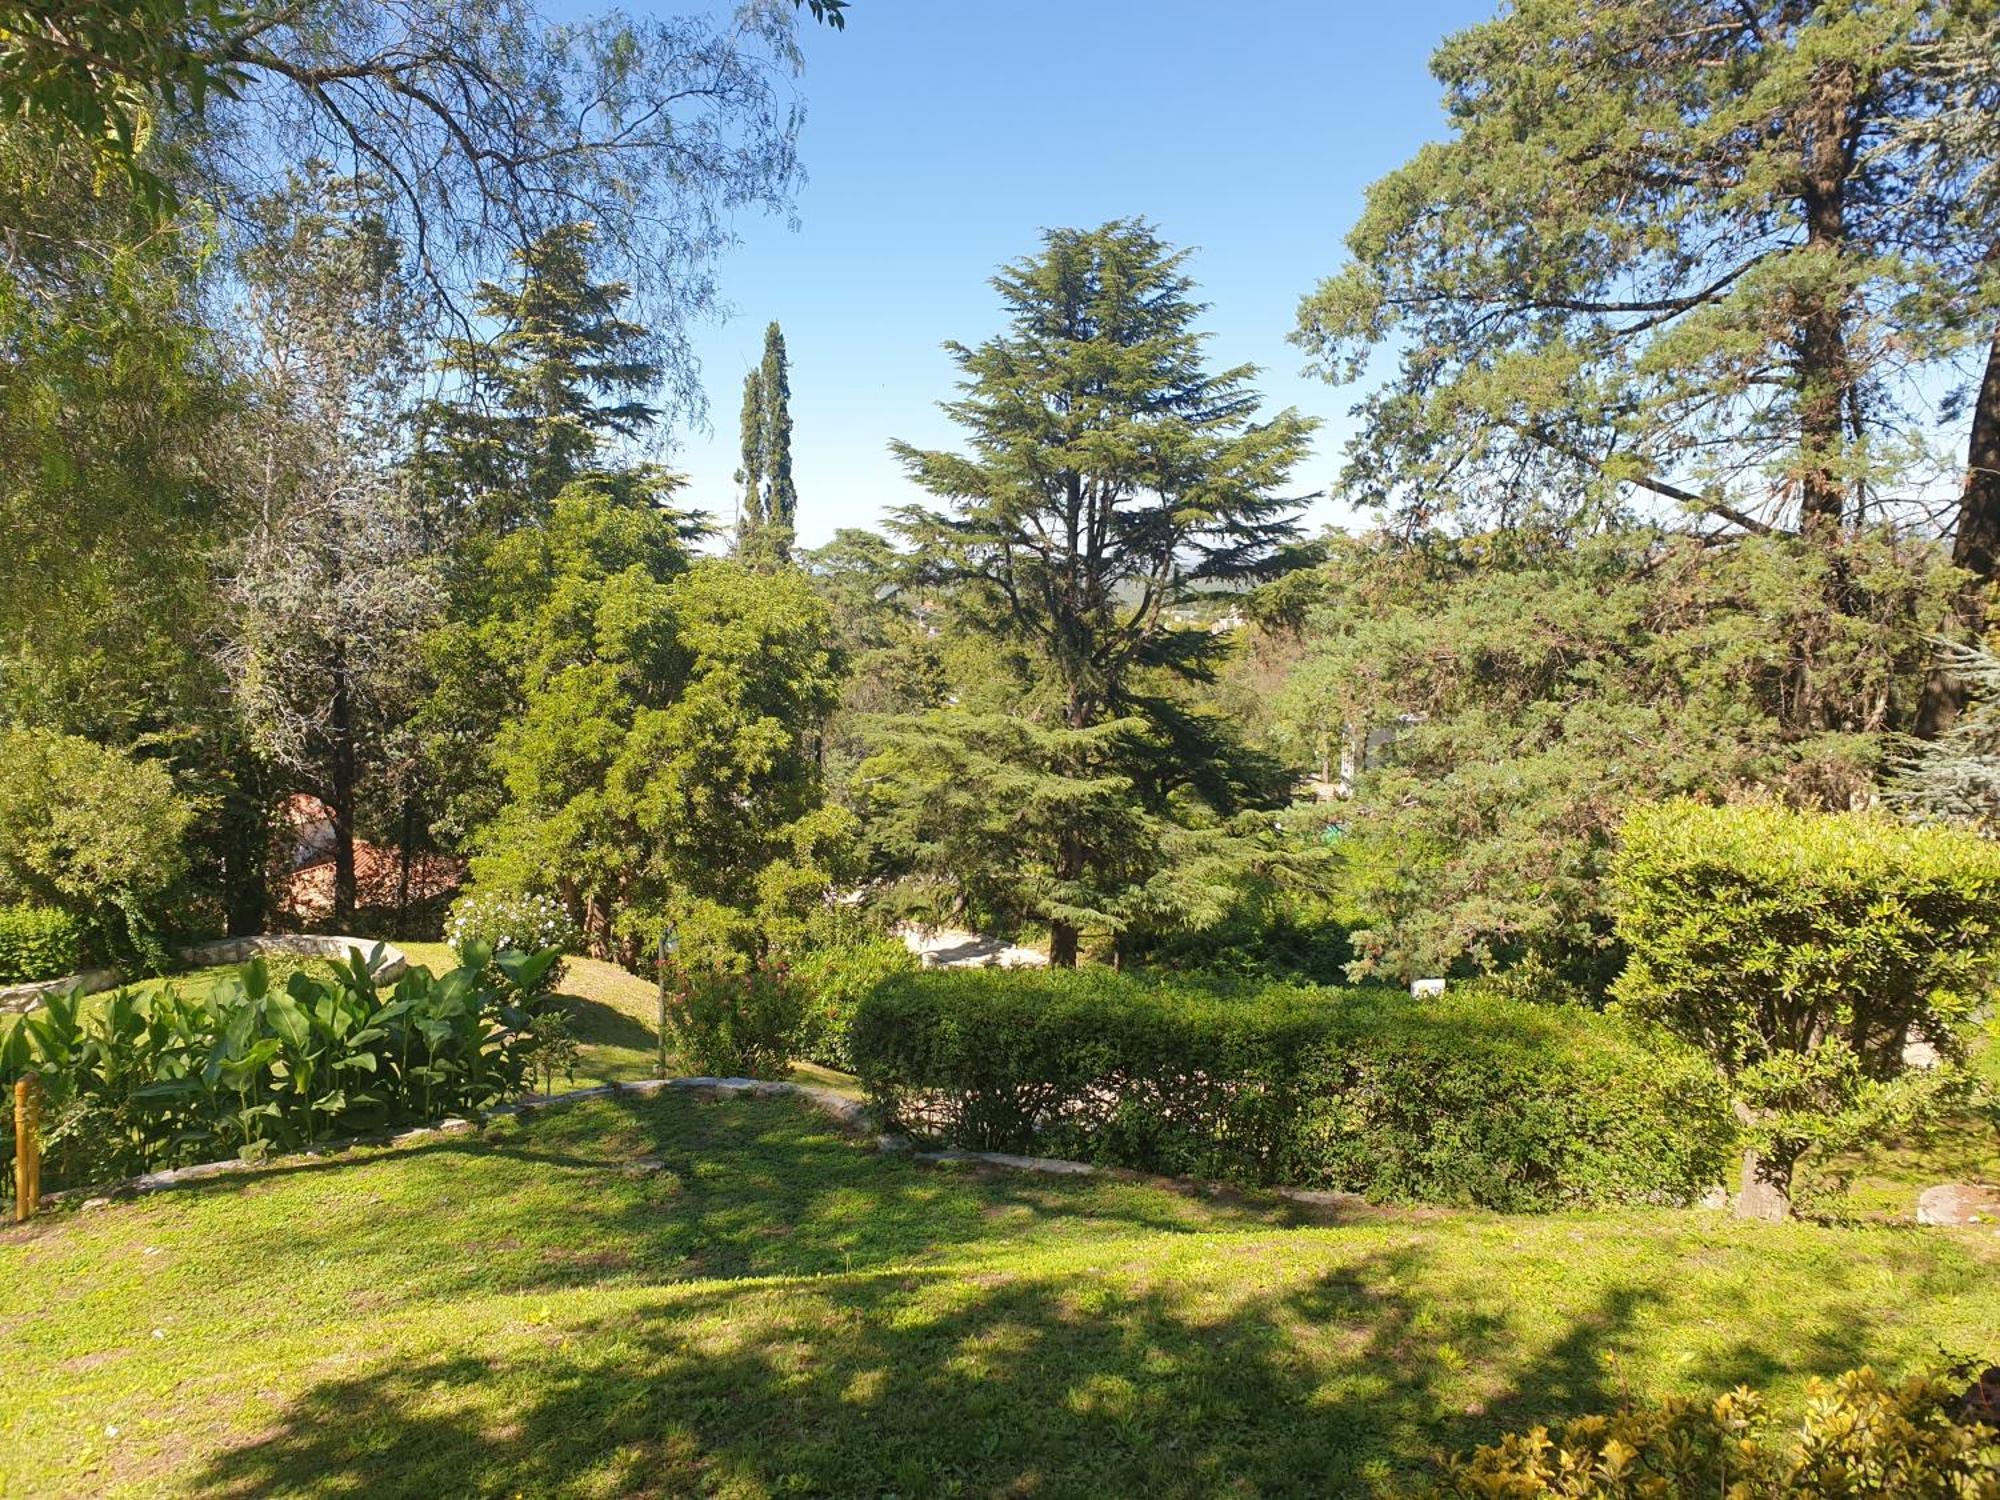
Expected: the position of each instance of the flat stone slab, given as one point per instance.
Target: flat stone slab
(239, 950)
(1052, 1164)
(1955, 1203)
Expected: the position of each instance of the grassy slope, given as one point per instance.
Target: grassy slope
(773, 1309)
(615, 1014)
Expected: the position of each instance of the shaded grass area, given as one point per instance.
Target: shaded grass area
(1884, 1181)
(673, 1296)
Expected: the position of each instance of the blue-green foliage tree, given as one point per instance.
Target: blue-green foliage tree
(1113, 479)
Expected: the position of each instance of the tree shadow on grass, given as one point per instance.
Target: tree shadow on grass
(906, 1383)
(1065, 1382)
(597, 1024)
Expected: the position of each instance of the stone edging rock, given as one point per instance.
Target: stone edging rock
(236, 950)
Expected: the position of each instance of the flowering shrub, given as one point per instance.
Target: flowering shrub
(512, 922)
(728, 1025)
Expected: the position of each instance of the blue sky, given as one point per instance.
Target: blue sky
(943, 135)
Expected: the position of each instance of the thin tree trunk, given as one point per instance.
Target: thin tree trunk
(1761, 1193)
(344, 769)
(1975, 544)
(407, 837)
(1824, 370)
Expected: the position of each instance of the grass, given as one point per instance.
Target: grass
(673, 1296)
(614, 1014)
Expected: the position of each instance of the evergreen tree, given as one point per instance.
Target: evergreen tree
(539, 405)
(1955, 778)
(767, 520)
(658, 767)
(1113, 481)
(1720, 252)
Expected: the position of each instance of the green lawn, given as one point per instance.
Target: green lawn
(673, 1296)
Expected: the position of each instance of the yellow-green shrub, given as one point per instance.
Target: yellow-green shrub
(1861, 1439)
(1800, 950)
(38, 942)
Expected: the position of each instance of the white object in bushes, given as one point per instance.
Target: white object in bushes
(1426, 989)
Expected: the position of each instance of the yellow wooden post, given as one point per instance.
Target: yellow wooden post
(27, 1147)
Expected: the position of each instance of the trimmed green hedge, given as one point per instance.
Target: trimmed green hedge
(38, 942)
(1469, 1099)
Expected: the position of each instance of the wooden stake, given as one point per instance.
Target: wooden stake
(27, 1147)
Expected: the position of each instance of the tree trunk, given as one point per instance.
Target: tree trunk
(1975, 544)
(1763, 1190)
(1976, 547)
(343, 768)
(1824, 370)
(407, 839)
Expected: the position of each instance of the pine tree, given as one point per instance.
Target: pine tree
(1724, 254)
(1113, 480)
(766, 522)
(539, 405)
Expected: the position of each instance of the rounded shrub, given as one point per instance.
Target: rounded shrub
(834, 971)
(38, 942)
(1472, 1098)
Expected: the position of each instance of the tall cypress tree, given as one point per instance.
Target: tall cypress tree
(769, 507)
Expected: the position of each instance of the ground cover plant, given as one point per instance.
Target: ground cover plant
(164, 1077)
(681, 1297)
(1470, 1098)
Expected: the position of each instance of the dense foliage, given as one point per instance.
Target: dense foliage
(837, 964)
(1862, 1438)
(1802, 952)
(96, 834)
(734, 1023)
(1469, 1099)
(38, 942)
(1499, 701)
(135, 1080)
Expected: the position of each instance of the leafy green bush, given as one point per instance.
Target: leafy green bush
(139, 1080)
(1465, 1099)
(38, 942)
(726, 1024)
(1800, 951)
(836, 968)
(96, 834)
(1861, 1439)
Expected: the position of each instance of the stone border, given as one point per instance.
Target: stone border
(24, 997)
(851, 1115)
